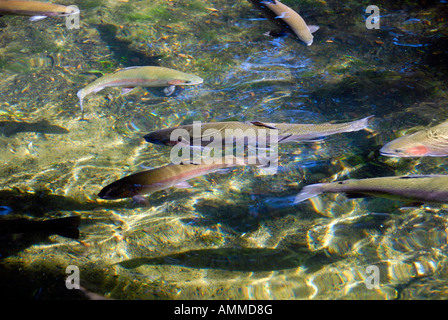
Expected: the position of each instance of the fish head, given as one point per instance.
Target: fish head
(307, 39)
(405, 147)
(69, 11)
(118, 190)
(195, 80)
(157, 138)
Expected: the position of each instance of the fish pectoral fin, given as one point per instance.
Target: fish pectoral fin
(260, 124)
(313, 28)
(412, 205)
(37, 18)
(169, 90)
(182, 185)
(223, 170)
(127, 90)
(140, 199)
(282, 16)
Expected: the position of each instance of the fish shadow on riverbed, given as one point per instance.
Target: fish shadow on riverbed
(238, 259)
(18, 233)
(41, 202)
(121, 49)
(9, 128)
(244, 217)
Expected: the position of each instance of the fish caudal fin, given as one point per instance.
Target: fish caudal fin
(81, 96)
(360, 124)
(313, 28)
(309, 192)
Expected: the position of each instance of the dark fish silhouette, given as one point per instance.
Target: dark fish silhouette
(66, 227)
(9, 128)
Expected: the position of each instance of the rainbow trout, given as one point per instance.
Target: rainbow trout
(36, 9)
(172, 175)
(295, 22)
(234, 131)
(132, 77)
(432, 142)
(417, 188)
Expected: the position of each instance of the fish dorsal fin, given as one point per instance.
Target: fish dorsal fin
(422, 176)
(124, 69)
(185, 162)
(260, 124)
(313, 28)
(128, 68)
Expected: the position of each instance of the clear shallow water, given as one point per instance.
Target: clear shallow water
(235, 235)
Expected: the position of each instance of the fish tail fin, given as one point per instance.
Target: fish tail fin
(361, 124)
(81, 96)
(309, 192)
(66, 227)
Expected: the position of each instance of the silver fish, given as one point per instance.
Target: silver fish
(418, 188)
(431, 142)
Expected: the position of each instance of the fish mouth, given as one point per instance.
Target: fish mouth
(385, 153)
(390, 154)
(395, 154)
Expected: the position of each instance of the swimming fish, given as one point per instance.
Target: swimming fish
(9, 128)
(132, 77)
(293, 20)
(66, 227)
(36, 9)
(432, 142)
(417, 188)
(234, 130)
(172, 175)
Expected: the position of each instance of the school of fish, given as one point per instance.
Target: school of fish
(432, 141)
